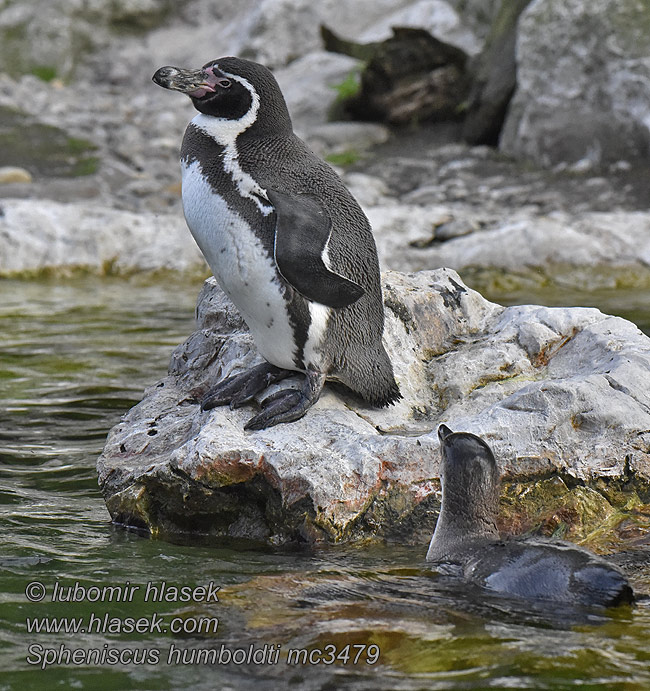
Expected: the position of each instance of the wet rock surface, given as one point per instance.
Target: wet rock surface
(557, 392)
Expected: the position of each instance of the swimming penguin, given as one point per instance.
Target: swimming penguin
(286, 241)
(466, 536)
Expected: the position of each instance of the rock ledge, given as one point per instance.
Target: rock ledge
(561, 394)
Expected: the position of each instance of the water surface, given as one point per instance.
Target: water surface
(74, 356)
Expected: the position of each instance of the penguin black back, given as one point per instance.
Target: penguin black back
(466, 535)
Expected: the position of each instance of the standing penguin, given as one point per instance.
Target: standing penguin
(286, 241)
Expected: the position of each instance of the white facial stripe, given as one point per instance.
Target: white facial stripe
(225, 132)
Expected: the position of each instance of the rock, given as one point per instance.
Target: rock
(274, 32)
(477, 15)
(583, 83)
(555, 391)
(408, 240)
(437, 17)
(409, 78)
(10, 174)
(493, 78)
(45, 149)
(52, 39)
(50, 235)
(335, 138)
(309, 85)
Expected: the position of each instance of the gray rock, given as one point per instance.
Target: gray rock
(342, 137)
(408, 240)
(438, 17)
(477, 15)
(309, 85)
(54, 38)
(583, 83)
(36, 237)
(274, 32)
(554, 391)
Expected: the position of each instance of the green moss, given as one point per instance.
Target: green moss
(603, 521)
(343, 158)
(44, 72)
(85, 166)
(349, 87)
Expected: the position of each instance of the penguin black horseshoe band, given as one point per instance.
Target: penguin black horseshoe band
(286, 241)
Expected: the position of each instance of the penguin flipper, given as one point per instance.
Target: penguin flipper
(301, 234)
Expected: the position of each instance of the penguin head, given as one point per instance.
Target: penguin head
(234, 90)
(469, 474)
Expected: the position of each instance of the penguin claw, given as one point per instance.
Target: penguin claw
(284, 408)
(241, 388)
(289, 405)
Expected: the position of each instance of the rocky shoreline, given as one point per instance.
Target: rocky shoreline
(89, 181)
(104, 141)
(561, 394)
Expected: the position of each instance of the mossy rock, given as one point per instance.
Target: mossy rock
(43, 149)
(598, 517)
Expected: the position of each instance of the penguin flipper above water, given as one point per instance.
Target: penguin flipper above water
(302, 232)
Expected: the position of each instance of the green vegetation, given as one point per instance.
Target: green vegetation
(45, 73)
(343, 158)
(349, 87)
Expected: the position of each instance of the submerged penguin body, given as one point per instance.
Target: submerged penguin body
(466, 536)
(285, 239)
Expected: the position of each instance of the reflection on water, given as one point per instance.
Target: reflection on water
(74, 356)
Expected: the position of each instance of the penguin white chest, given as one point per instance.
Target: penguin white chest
(241, 265)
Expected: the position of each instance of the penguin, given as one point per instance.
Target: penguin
(286, 241)
(466, 539)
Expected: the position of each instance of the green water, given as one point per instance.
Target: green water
(74, 356)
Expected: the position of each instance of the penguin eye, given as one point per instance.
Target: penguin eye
(224, 83)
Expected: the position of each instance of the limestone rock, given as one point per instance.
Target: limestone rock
(52, 39)
(555, 391)
(583, 83)
(477, 15)
(414, 238)
(309, 85)
(48, 235)
(437, 17)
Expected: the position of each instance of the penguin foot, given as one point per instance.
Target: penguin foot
(241, 388)
(289, 404)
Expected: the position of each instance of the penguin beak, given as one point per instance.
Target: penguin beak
(443, 432)
(194, 83)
